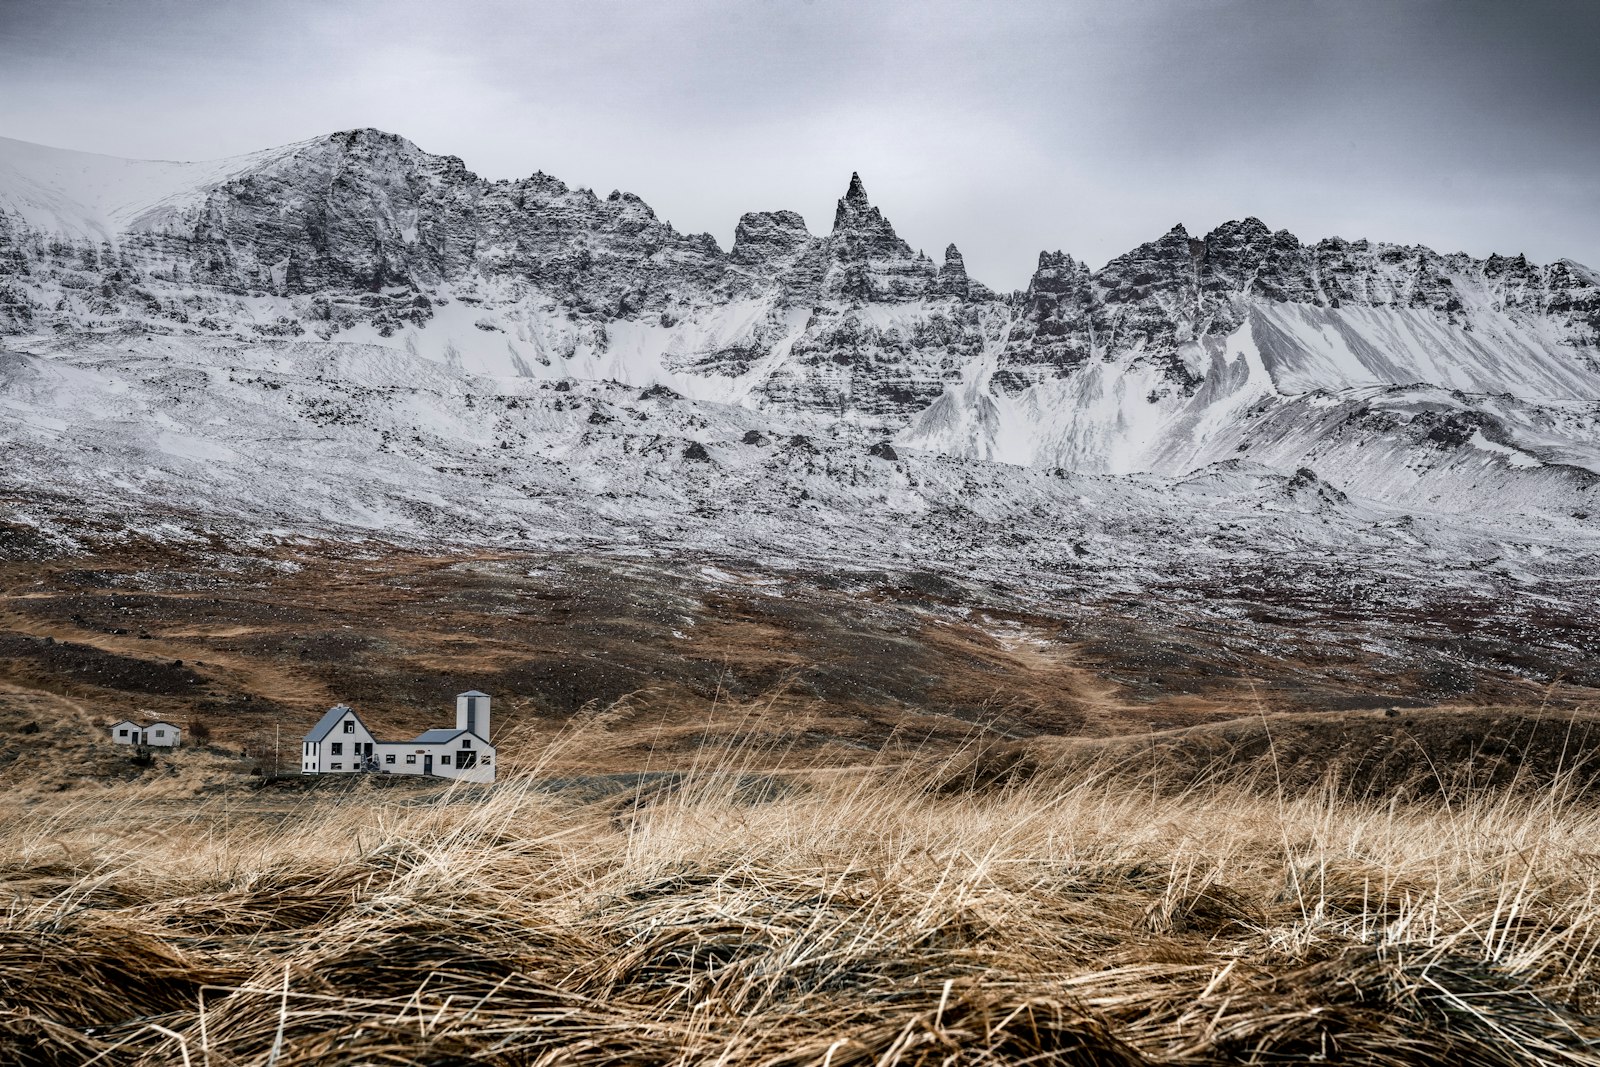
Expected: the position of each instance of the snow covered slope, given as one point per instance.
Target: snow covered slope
(84, 197)
(1400, 377)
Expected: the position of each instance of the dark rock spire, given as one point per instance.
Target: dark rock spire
(854, 206)
(857, 193)
(952, 279)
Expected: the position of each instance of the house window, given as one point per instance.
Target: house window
(388, 758)
(122, 733)
(161, 733)
(349, 726)
(338, 748)
(411, 759)
(337, 766)
(466, 742)
(445, 759)
(486, 761)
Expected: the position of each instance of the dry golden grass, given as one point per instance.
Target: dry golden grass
(825, 918)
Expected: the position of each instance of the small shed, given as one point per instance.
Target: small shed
(161, 734)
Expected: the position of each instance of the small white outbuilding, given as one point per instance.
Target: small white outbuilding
(159, 734)
(162, 735)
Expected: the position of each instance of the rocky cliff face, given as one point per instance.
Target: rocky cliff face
(362, 237)
(1178, 292)
(362, 227)
(361, 215)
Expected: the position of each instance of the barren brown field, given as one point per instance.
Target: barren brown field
(758, 817)
(255, 643)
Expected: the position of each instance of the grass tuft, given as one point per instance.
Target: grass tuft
(880, 917)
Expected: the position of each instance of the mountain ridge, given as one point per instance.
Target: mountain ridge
(853, 210)
(1395, 371)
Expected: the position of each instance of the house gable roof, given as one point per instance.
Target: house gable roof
(126, 722)
(330, 719)
(433, 737)
(439, 736)
(472, 693)
(164, 722)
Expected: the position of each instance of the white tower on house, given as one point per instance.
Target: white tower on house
(472, 713)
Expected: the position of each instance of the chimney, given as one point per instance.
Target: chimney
(472, 713)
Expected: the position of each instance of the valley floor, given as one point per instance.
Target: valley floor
(673, 652)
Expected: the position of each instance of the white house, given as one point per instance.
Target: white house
(340, 743)
(159, 734)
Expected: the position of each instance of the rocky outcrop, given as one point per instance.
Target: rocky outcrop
(363, 214)
(867, 260)
(1169, 299)
(769, 242)
(1054, 332)
(952, 279)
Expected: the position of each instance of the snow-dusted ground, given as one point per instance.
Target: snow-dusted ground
(364, 442)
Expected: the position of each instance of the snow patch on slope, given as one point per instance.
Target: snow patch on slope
(90, 197)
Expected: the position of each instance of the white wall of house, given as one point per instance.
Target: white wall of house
(483, 762)
(400, 757)
(441, 759)
(126, 732)
(338, 751)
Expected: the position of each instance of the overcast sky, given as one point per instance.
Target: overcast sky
(1006, 127)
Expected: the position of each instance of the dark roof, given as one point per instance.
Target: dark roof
(164, 722)
(431, 737)
(329, 720)
(472, 693)
(434, 737)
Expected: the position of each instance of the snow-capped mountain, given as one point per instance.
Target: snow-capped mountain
(335, 298)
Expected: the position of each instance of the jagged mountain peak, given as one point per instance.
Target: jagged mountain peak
(855, 211)
(1058, 261)
(856, 194)
(1249, 226)
(378, 148)
(368, 135)
(952, 279)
